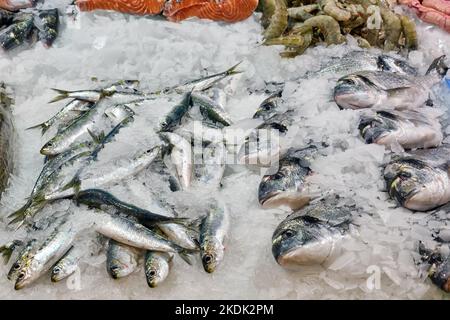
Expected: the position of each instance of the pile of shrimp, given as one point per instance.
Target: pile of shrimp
(177, 10)
(436, 12)
(298, 24)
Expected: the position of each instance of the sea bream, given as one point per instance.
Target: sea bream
(288, 185)
(386, 90)
(419, 180)
(408, 128)
(313, 235)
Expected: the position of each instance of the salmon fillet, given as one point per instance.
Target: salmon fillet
(138, 7)
(219, 10)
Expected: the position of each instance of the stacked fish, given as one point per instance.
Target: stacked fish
(18, 27)
(393, 101)
(91, 120)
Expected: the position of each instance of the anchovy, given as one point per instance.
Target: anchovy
(211, 110)
(176, 114)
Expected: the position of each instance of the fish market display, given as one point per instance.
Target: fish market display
(6, 137)
(298, 25)
(14, 5)
(155, 161)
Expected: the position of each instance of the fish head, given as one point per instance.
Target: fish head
(440, 275)
(17, 266)
(54, 146)
(414, 184)
(375, 128)
(60, 271)
(211, 251)
(156, 271)
(391, 64)
(27, 273)
(118, 269)
(284, 188)
(301, 241)
(355, 92)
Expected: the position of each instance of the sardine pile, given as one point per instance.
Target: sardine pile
(298, 25)
(89, 121)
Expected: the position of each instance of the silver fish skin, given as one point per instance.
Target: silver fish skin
(21, 259)
(313, 235)
(175, 115)
(157, 267)
(214, 229)
(269, 106)
(71, 111)
(378, 89)
(355, 61)
(288, 186)
(181, 157)
(121, 260)
(204, 83)
(408, 128)
(210, 170)
(417, 184)
(131, 233)
(89, 177)
(49, 252)
(98, 121)
(210, 109)
(68, 264)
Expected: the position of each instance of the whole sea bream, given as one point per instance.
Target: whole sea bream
(313, 235)
(386, 90)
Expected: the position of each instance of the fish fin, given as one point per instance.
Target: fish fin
(75, 183)
(43, 126)
(62, 94)
(97, 138)
(186, 254)
(438, 66)
(233, 70)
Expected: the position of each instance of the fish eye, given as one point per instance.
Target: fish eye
(288, 233)
(404, 174)
(207, 258)
(49, 144)
(21, 276)
(152, 273)
(56, 270)
(16, 266)
(148, 151)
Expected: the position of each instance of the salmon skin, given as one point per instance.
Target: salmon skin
(138, 7)
(222, 10)
(177, 10)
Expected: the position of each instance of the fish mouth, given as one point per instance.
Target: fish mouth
(305, 255)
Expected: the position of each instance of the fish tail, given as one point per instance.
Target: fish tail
(233, 70)
(438, 66)
(62, 94)
(44, 126)
(28, 210)
(7, 250)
